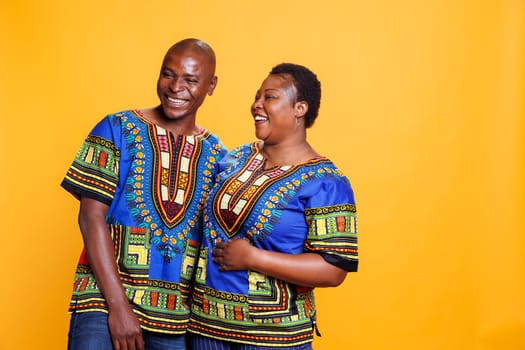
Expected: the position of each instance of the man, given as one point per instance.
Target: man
(141, 177)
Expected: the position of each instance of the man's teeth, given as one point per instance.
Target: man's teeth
(176, 101)
(259, 118)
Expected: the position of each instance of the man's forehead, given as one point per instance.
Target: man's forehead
(191, 58)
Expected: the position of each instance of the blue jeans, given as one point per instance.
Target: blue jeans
(198, 342)
(89, 331)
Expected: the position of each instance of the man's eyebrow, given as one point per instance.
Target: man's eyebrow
(187, 75)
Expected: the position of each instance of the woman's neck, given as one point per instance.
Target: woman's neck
(287, 153)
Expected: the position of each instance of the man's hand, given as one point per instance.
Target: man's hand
(124, 329)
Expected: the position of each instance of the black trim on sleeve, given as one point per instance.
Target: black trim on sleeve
(79, 193)
(347, 265)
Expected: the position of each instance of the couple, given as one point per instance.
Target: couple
(181, 235)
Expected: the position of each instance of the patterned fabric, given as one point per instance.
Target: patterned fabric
(155, 184)
(290, 209)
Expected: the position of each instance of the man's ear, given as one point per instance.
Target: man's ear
(301, 108)
(213, 85)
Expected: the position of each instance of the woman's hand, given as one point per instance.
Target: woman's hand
(236, 254)
(305, 269)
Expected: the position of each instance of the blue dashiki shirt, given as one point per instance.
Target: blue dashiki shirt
(307, 207)
(155, 184)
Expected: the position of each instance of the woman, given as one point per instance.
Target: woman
(280, 221)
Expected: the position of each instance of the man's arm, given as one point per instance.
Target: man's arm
(123, 324)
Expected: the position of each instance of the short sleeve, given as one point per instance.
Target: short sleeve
(332, 224)
(94, 171)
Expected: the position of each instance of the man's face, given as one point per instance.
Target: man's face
(186, 77)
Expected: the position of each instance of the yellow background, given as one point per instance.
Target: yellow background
(423, 109)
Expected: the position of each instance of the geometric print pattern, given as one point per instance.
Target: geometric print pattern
(95, 168)
(211, 305)
(174, 172)
(269, 297)
(178, 166)
(159, 297)
(263, 205)
(239, 194)
(333, 229)
(122, 165)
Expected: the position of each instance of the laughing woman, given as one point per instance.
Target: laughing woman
(280, 221)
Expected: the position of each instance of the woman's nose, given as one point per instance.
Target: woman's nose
(257, 104)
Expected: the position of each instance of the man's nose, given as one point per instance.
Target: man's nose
(177, 84)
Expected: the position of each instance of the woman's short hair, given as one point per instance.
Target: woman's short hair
(307, 85)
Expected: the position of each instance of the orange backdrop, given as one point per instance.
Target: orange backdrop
(423, 109)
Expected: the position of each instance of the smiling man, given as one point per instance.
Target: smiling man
(141, 177)
(187, 76)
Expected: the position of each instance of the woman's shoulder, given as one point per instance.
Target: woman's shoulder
(321, 177)
(323, 168)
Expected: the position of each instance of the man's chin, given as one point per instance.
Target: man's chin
(174, 113)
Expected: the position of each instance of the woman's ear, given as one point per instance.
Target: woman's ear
(301, 108)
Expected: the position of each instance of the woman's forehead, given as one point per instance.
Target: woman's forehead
(282, 81)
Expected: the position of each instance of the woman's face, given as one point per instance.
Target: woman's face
(273, 109)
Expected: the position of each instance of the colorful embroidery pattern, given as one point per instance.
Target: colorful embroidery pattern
(333, 229)
(175, 177)
(285, 209)
(239, 194)
(157, 184)
(174, 185)
(96, 168)
(287, 190)
(144, 293)
(279, 313)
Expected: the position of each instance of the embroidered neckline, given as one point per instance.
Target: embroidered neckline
(172, 190)
(257, 147)
(201, 132)
(240, 193)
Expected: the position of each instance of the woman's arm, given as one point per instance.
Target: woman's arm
(123, 324)
(306, 269)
